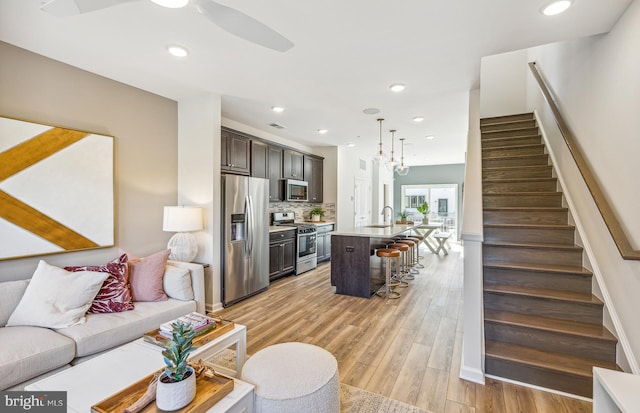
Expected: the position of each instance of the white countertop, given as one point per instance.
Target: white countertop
(318, 223)
(278, 228)
(387, 232)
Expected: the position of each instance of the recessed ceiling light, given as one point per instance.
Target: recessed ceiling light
(177, 50)
(397, 87)
(371, 111)
(430, 137)
(418, 119)
(556, 7)
(277, 109)
(323, 131)
(172, 4)
(351, 144)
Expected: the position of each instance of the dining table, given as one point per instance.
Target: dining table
(425, 231)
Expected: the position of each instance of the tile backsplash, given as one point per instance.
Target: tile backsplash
(302, 209)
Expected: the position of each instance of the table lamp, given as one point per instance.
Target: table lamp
(182, 220)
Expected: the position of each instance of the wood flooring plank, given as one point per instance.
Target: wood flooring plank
(518, 399)
(454, 407)
(490, 398)
(440, 357)
(433, 393)
(408, 383)
(458, 390)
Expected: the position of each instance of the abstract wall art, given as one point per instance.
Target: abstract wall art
(56, 189)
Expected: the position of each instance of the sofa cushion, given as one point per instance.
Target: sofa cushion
(56, 298)
(10, 294)
(114, 295)
(30, 351)
(146, 274)
(177, 283)
(103, 331)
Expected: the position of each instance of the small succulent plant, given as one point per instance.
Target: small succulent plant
(317, 211)
(177, 349)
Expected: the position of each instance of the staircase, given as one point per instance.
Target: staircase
(543, 325)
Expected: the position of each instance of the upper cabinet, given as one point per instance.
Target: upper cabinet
(292, 165)
(259, 159)
(313, 175)
(235, 153)
(276, 186)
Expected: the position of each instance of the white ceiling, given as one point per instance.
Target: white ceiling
(346, 54)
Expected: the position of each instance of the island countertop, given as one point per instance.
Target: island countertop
(373, 232)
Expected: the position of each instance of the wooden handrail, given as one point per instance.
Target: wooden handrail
(610, 219)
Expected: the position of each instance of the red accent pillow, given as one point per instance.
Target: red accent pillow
(146, 276)
(114, 295)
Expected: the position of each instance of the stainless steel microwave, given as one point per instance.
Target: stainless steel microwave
(296, 190)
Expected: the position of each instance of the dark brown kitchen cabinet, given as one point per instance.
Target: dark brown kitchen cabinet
(313, 175)
(276, 186)
(282, 253)
(235, 153)
(292, 165)
(259, 159)
(323, 242)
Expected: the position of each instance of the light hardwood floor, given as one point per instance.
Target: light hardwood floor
(407, 349)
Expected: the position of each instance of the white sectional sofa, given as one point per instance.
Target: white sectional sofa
(30, 353)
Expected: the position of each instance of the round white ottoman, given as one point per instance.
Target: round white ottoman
(294, 378)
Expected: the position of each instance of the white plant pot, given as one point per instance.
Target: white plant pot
(174, 396)
(315, 218)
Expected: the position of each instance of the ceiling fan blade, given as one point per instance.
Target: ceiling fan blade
(65, 8)
(243, 26)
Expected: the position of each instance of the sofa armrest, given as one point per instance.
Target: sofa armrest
(197, 282)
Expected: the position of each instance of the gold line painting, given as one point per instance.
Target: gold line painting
(56, 189)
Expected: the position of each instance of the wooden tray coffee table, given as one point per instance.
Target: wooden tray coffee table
(209, 391)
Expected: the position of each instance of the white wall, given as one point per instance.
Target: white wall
(199, 182)
(144, 127)
(503, 84)
(596, 83)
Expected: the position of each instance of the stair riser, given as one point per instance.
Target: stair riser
(510, 133)
(522, 140)
(536, 171)
(512, 151)
(537, 235)
(491, 201)
(531, 255)
(516, 161)
(518, 124)
(565, 310)
(508, 118)
(525, 217)
(529, 186)
(568, 383)
(552, 281)
(588, 347)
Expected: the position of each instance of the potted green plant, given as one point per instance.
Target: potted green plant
(403, 217)
(316, 213)
(424, 210)
(177, 384)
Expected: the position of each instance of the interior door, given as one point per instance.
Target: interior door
(361, 202)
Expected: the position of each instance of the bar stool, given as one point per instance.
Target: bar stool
(387, 255)
(373, 247)
(416, 256)
(410, 257)
(402, 272)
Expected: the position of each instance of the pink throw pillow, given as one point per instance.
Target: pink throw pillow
(146, 276)
(114, 295)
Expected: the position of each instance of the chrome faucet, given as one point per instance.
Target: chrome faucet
(384, 219)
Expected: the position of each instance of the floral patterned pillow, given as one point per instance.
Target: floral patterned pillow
(115, 294)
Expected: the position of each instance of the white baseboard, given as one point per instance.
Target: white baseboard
(214, 308)
(471, 374)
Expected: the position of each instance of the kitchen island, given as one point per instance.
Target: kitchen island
(355, 270)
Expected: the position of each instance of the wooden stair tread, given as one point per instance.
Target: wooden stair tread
(540, 245)
(533, 226)
(530, 145)
(511, 180)
(528, 115)
(568, 296)
(506, 138)
(563, 363)
(514, 168)
(527, 209)
(588, 330)
(549, 268)
(541, 193)
(508, 130)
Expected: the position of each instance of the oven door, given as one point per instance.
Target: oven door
(306, 245)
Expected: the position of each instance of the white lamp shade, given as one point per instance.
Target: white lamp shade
(182, 219)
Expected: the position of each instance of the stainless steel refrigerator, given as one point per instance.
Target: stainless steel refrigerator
(245, 244)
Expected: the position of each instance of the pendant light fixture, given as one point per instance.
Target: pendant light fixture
(402, 169)
(379, 158)
(392, 163)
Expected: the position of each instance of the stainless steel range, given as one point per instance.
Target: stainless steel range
(307, 257)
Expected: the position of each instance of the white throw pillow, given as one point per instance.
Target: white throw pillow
(177, 283)
(57, 298)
